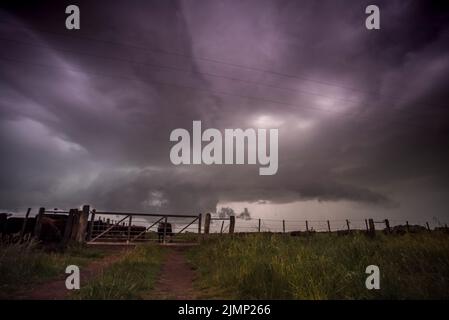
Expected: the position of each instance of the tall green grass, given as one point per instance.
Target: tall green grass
(22, 265)
(129, 278)
(270, 266)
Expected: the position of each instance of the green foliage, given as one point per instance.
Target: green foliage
(128, 278)
(273, 266)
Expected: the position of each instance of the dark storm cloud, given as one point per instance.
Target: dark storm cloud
(86, 115)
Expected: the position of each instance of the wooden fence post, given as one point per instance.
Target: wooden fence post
(38, 225)
(366, 225)
(387, 225)
(207, 223)
(259, 224)
(3, 225)
(408, 226)
(347, 224)
(307, 226)
(69, 227)
(165, 230)
(222, 225)
(75, 224)
(231, 224)
(200, 217)
(283, 226)
(82, 224)
(129, 227)
(91, 225)
(24, 225)
(328, 226)
(428, 227)
(372, 228)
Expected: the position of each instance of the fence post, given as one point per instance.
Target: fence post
(259, 224)
(24, 225)
(231, 224)
(387, 225)
(91, 225)
(165, 230)
(3, 225)
(38, 225)
(372, 228)
(129, 227)
(307, 226)
(75, 224)
(428, 227)
(408, 226)
(200, 217)
(69, 227)
(283, 226)
(347, 224)
(366, 225)
(82, 224)
(329, 226)
(222, 225)
(207, 223)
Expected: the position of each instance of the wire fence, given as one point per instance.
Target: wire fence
(222, 225)
(331, 225)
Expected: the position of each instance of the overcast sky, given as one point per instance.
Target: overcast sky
(362, 114)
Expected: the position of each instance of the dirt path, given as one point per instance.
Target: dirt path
(176, 277)
(56, 289)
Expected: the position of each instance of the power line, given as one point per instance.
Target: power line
(189, 71)
(176, 69)
(213, 92)
(211, 60)
(220, 76)
(290, 106)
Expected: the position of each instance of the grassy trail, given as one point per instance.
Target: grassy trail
(132, 277)
(29, 272)
(176, 277)
(254, 266)
(56, 289)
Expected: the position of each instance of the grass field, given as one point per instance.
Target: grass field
(22, 265)
(270, 266)
(128, 278)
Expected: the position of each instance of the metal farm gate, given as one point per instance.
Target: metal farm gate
(127, 227)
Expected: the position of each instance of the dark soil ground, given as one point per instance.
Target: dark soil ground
(176, 277)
